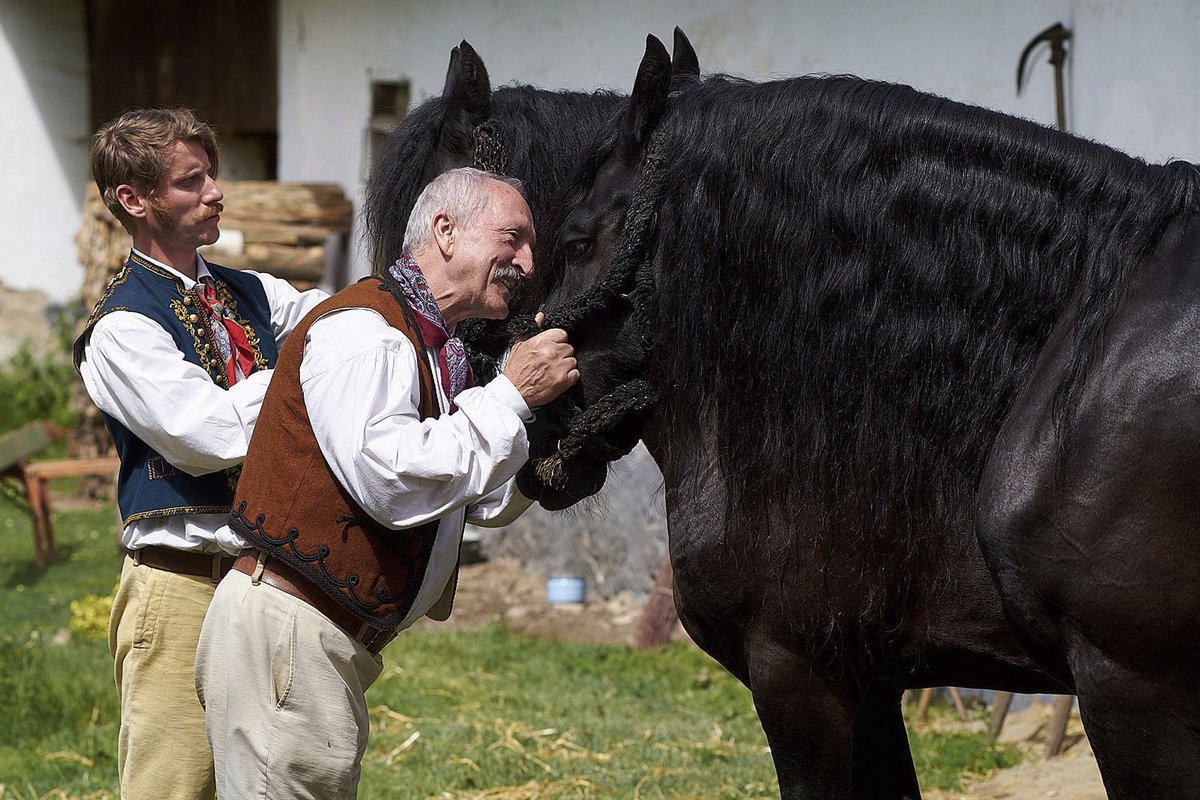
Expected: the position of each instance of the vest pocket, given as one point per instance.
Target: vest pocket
(159, 468)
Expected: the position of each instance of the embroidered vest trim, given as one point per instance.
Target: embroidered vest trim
(148, 486)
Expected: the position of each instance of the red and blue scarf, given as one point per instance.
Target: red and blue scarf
(452, 355)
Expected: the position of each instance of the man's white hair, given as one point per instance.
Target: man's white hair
(459, 193)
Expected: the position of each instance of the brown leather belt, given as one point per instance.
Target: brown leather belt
(183, 562)
(280, 575)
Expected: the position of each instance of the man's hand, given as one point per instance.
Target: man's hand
(542, 367)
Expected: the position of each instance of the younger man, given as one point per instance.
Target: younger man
(177, 355)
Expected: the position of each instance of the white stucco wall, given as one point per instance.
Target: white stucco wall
(1130, 81)
(43, 143)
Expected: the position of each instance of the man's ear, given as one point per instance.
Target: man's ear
(134, 202)
(443, 233)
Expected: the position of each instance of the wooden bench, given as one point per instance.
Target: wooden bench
(33, 479)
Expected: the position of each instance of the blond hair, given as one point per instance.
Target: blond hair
(133, 148)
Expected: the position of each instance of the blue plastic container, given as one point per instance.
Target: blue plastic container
(565, 590)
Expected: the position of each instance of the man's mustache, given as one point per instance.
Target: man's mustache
(217, 208)
(506, 273)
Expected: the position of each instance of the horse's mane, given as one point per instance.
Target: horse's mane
(544, 132)
(856, 277)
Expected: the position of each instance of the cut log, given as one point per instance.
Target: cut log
(257, 232)
(289, 263)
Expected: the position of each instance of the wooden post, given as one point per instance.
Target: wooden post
(659, 615)
(1058, 724)
(956, 697)
(923, 702)
(1000, 706)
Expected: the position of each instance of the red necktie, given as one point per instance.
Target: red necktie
(241, 354)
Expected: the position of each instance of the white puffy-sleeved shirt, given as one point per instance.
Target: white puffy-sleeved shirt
(133, 371)
(361, 390)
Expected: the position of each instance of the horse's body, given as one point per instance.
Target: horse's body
(928, 411)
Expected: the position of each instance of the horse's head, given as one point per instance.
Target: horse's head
(604, 294)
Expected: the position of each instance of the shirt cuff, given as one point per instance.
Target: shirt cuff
(504, 391)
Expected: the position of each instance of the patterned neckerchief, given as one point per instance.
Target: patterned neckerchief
(452, 355)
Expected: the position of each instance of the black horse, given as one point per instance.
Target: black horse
(924, 383)
(521, 131)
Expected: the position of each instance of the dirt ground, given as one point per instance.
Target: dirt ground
(500, 591)
(1072, 775)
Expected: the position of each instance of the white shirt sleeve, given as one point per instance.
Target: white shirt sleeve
(133, 371)
(500, 508)
(288, 305)
(360, 386)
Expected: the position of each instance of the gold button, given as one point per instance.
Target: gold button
(187, 299)
(202, 332)
(192, 318)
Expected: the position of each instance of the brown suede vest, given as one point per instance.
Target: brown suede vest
(290, 505)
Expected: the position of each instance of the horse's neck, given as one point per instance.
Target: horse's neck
(653, 438)
(691, 477)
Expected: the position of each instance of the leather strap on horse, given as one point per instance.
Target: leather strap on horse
(629, 281)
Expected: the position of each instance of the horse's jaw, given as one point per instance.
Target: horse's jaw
(584, 479)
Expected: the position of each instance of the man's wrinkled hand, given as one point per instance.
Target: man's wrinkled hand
(542, 367)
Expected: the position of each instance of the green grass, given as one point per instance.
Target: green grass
(454, 716)
(56, 689)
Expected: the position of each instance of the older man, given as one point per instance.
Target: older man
(177, 355)
(372, 451)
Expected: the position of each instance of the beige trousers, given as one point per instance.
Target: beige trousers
(283, 689)
(162, 751)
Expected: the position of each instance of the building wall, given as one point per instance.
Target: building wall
(1130, 80)
(43, 131)
(1131, 77)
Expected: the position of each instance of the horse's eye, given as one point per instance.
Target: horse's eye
(577, 248)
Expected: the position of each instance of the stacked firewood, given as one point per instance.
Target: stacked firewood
(291, 230)
(285, 229)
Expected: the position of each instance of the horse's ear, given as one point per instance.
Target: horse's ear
(685, 66)
(468, 96)
(468, 89)
(647, 102)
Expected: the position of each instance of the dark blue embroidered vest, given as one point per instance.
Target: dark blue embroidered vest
(148, 486)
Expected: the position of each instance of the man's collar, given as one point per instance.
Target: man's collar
(201, 268)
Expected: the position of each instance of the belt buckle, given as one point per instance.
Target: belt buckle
(368, 635)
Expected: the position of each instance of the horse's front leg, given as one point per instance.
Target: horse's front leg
(808, 720)
(883, 765)
(827, 740)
